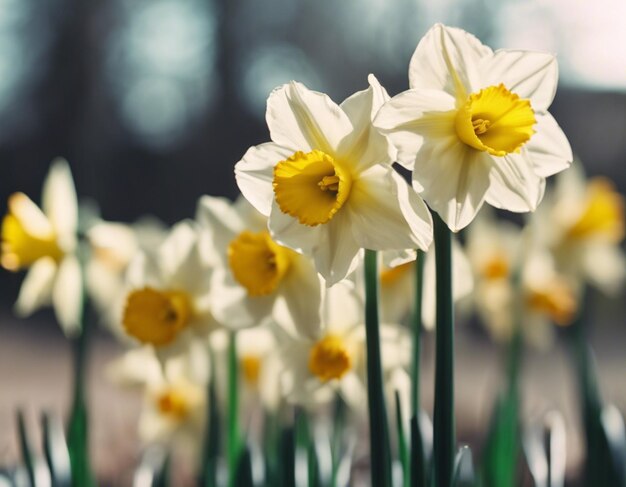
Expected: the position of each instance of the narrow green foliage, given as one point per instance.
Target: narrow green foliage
(233, 443)
(162, 476)
(403, 449)
(287, 458)
(417, 332)
(444, 428)
(502, 449)
(212, 437)
(243, 473)
(56, 452)
(28, 455)
(418, 456)
(380, 455)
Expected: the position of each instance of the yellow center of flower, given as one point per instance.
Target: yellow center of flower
(173, 402)
(329, 358)
(26, 235)
(496, 267)
(557, 301)
(257, 262)
(391, 275)
(311, 187)
(603, 215)
(251, 369)
(156, 317)
(496, 121)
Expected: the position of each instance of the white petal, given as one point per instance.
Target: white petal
(231, 305)
(447, 59)
(414, 115)
(255, 172)
(30, 216)
(366, 146)
(530, 74)
(287, 231)
(180, 261)
(301, 119)
(514, 186)
(453, 179)
(301, 293)
(220, 222)
(36, 290)
(605, 266)
(342, 307)
(337, 252)
(386, 213)
(60, 203)
(67, 295)
(548, 148)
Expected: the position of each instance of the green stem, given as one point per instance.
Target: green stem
(444, 429)
(417, 333)
(233, 439)
(380, 456)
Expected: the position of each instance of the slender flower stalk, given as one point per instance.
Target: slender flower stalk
(444, 429)
(417, 333)
(379, 432)
(233, 439)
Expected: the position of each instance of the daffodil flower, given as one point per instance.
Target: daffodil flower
(175, 403)
(475, 126)
(583, 224)
(326, 180)
(168, 294)
(256, 280)
(44, 242)
(315, 369)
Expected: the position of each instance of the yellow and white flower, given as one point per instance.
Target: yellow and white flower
(175, 400)
(498, 251)
(583, 224)
(475, 126)
(44, 242)
(113, 246)
(326, 180)
(168, 294)
(255, 278)
(315, 369)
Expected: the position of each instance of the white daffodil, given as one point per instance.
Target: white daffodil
(497, 251)
(254, 275)
(315, 369)
(326, 180)
(168, 294)
(113, 246)
(175, 403)
(397, 285)
(475, 126)
(583, 224)
(45, 243)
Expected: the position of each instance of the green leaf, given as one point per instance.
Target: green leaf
(287, 457)
(464, 469)
(243, 473)
(380, 454)
(418, 455)
(78, 446)
(56, 451)
(499, 467)
(403, 449)
(233, 443)
(212, 436)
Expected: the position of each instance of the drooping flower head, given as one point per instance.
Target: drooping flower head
(475, 126)
(44, 242)
(326, 180)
